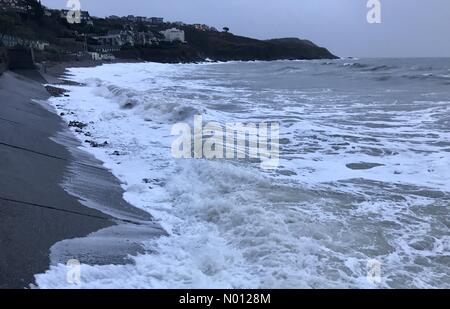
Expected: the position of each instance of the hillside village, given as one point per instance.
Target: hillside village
(97, 37)
(53, 35)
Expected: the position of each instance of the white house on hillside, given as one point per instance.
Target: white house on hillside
(173, 34)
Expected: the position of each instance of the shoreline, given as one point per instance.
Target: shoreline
(42, 224)
(212, 241)
(53, 72)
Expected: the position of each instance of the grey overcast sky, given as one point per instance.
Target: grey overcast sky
(409, 28)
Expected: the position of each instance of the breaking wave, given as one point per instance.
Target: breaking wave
(151, 107)
(363, 173)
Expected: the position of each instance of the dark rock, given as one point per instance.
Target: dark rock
(154, 181)
(97, 145)
(70, 83)
(56, 92)
(363, 165)
(77, 124)
(130, 103)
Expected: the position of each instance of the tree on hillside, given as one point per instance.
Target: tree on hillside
(36, 10)
(226, 29)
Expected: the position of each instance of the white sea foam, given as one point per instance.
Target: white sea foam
(315, 222)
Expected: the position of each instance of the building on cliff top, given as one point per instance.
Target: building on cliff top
(19, 6)
(13, 41)
(134, 19)
(110, 40)
(173, 34)
(156, 20)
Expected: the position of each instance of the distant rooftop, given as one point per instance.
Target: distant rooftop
(14, 5)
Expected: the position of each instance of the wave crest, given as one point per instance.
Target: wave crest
(148, 106)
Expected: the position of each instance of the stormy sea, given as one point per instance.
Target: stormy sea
(360, 197)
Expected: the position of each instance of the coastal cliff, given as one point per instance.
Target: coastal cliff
(54, 39)
(225, 46)
(220, 46)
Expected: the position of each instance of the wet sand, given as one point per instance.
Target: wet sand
(37, 154)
